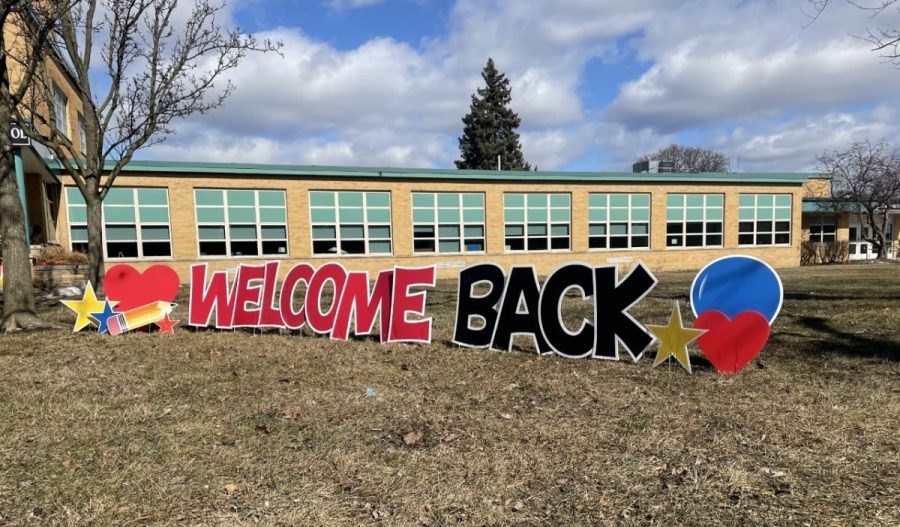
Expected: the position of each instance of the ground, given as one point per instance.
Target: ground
(237, 429)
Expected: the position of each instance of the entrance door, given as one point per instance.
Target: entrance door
(859, 248)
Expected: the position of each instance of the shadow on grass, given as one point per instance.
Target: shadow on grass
(848, 343)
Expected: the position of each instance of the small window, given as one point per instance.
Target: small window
(350, 223)
(82, 138)
(619, 221)
(61, 111)
(694, 220)
(823, 229)
(537, 222)
(448, 222)
(241, 223)
(764, 219)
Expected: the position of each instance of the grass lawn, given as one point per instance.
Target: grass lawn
(239, 429)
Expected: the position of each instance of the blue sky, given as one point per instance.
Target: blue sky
(596, 82)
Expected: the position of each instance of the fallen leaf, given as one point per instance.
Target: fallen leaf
(231, 488)
(412, 438)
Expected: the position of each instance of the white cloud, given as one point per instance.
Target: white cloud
(352, 4)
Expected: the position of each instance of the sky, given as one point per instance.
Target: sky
(595, 82)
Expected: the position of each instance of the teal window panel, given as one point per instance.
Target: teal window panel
(120, 196)
(324, 233)
(241, 198)
(782, 213)
(448, 215)
(618, 228)
(473, 215)
(152, 196)
(597, 200)
(241, 215)
(640, 200)
(73, 196)
(536, 215)
(559, 200)
(242, 232)
(694, 200)
(272, 232)
(515, 230)
(536, 200)
(378, 199)
(323, 215)
(473, 200)
(351, 215)
(514, 215)
(675, 200)
(379, 247)
(449, 246)
(782, 200)
(474, 231)
(121, 232)
(272, 215)
(118, 214)
(674, 214)
(447, 200)
(597, 230)
(765, 200)
(154, 233)
(321, 199)
(423, 216)
(559, 230)
(350, 199)
(154, 214)
(209, 197)
(766, 213)
(618, 200)
(714, 214)
(618, 215)
(212, 233)
(210, 215)
(420, 199)
(379, 216)
(514, 200)
(715, 200)
(746, 214)
(423, 231)
(379, 232)
(640, 214)
(747, 200)
(271, 198)
(79, 234)
(537, 229)
(352, 231)
(596, 215)
(559, 215)
(77, 214)
(448, 231)
(640, 228)
(694, 214)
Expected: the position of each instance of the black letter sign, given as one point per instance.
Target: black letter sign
(483, 307)
(611, 302)
(521, 284)
(564, 343)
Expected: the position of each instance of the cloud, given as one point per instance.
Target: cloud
(341, 5)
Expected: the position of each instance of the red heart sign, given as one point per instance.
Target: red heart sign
(131, 288)
(731, 344)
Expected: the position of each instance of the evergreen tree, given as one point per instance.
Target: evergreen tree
(490, 127)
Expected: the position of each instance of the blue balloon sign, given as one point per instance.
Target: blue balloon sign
(734, 284)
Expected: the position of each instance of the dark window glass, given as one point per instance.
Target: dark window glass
(353, 247)
(274, 247)
(674, 228)
(515, 244)
(324, 247)
(424, 246)
(640, 241)
(695, 241)
(764, 226)
(618, 242)
(782, 225)
(559, 243)
(80, 247)
(474, 245)
(423, 232)
(783, 238)
(157, 249)
(695, 227)
(714, 226)
(122, 249)
(745, 226)
(244, 248)
(713, 239)
(675, 241)
(745, 239)
(764, 239)
(597, 242)
(537, 244)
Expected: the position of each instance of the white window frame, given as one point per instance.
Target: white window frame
(631, 222)
(817, 221)
(461, 224)
(61, 111)
(258, 224)
(756, 208)
(137, 225)
(336, 224)
(549, 223)
(82, 141)
(706, 221)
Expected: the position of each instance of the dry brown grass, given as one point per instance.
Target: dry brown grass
(238, 429)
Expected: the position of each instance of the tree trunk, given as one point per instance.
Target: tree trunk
(95, 236)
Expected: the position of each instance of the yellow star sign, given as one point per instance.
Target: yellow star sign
(84, 307)
(673, 340)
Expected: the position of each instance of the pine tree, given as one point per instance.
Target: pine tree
(490, 127)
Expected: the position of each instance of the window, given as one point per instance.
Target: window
(60, 109)
(537, 222)
(448, 222)
(135, 222)
(823, 229)
(694, 220)
(82, 140)
(764, 219)
(619, 221)
(241, 222)
(350, 222)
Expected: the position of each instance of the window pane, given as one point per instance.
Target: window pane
(423, 231)
(323, 215)
(324, 233)
(449, 246)
(271, 197)
(352, 231)
(209, 197)
(77, 215)
(445, 199)
(448, 215)
(473, 215)
(119, 196)
(242, 232)
(79, 234)
(73, 196)
(379, 232)
(423, 216)
(559, 230)
(156, 249)
(122, 249)
(273, 233)
(422, 200)
(241, 215)
(351, 215)
(272, 216)
(121, 232)
(474, 231)
(379, 247)
(210, 215)
(154, 233)
(274, 247)
(515, 230)
(514, 200)
(350, 199)
(473, 200)
(244, 248)
(212, 249)
(119, 214)
(152, 196)
(154, 214)
(377, 199)
(241, 197)
(321, 199)
(212, 233)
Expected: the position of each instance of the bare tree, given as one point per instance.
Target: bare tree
(865, 183)
(155, 68)
(884, 40)
(27, 27)
(692, 159)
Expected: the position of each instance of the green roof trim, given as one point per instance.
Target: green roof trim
(312, 171)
